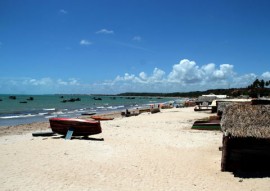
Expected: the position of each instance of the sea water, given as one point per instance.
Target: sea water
(23, 110)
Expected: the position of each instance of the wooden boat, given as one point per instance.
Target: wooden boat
(101, 118)
(144, 110)
(79, 127)
(207, 125)
(155, 110)
(86, 113)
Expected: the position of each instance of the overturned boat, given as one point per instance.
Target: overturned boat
(74, 126)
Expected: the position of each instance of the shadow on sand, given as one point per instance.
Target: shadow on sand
(251, 174)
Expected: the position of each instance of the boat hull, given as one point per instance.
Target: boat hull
(207, 125)
(101, 118)
(81, 127)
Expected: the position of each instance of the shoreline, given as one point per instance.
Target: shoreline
(41, 108)
(45, 125)
(146, 152)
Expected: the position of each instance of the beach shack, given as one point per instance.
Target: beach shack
(219, 105)
(204, 102)
(246, 138)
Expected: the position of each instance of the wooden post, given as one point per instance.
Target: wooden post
(225, 153)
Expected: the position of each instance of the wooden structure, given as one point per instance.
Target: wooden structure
(246, 138)
(205, 99)
(219, 105)
(206, 125)
(202, 108)
(260, 102)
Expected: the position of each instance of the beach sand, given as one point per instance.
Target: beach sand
(147, 152)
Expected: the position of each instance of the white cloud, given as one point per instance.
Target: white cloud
(225, 71)
(157, 76)
(143, 75)
(137, 38)
(38, 82)
(63, 12)
(85, 42)
(185, 76)
(74, 82)
(266, 75)
(105, 31)
(61, 82)
(243, 81)
(185, 72)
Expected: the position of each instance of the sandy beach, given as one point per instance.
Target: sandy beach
(146, 152)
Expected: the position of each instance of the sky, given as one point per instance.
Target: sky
(116, 46)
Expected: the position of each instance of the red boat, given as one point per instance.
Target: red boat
(101, 118)
(79, 127)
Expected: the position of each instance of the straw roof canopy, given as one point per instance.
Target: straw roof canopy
(222, 105)
(246, 120)
(206, 98)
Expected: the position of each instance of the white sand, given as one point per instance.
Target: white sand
(147, 152)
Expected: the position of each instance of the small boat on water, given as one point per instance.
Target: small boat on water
(86, 113)
(79, 127)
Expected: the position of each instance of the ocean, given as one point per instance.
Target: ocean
(24, 109)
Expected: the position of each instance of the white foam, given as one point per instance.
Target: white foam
(49, 109)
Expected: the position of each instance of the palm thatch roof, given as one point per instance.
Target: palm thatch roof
(246, 120)
(222, 105)
(206, 98)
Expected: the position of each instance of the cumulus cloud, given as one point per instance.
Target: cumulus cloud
(266, 75)
(243, 81)
(185, 72)
(185, 76)
(105, 31)
(85, 42)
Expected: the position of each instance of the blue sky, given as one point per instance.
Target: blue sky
(114, 46)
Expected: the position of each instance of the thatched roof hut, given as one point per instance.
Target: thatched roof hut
(246, 121)
(222, 105)
(208, 99)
